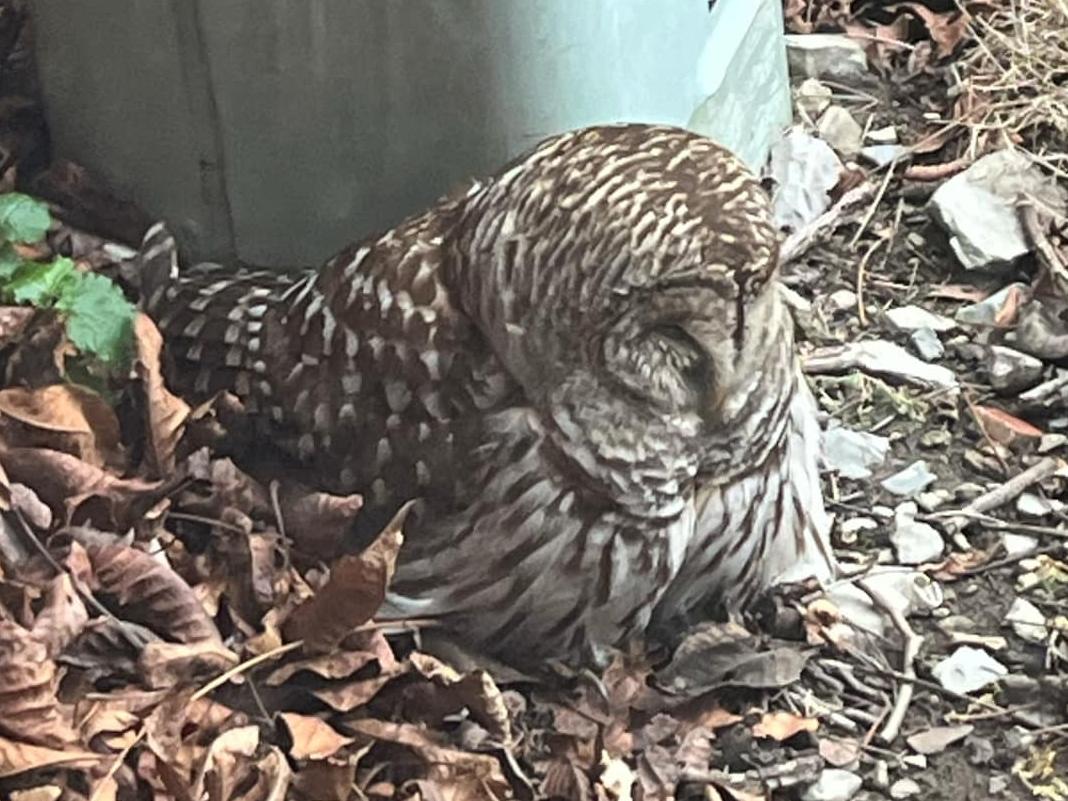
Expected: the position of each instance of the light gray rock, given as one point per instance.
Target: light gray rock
(854, 453)
(927, 344)
(913, 318)
(883, 358)
(914, 542)
(881, 155)
(804, 169)
(838, 129)
(883, 136)
(825, 55)
(913, 479)
(813, 97)
(978, 207)
(833, 784)
(985, 311)
(1012, 371)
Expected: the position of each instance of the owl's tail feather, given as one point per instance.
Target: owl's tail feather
(213, 319)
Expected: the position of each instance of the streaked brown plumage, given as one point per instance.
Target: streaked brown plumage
(583, 369)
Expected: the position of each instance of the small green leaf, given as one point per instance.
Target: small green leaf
(10, 262)
(23, 218)
(99, 318)
(41, 284)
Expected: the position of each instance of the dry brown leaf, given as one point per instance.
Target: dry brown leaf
(273, 777)
(352, 595)
(18, 757)
(29, 708)
(62, 618)
(958, 565)
(13, 321)
(168, 664)
(780, 726)
(78, 492)
(476, 691)
(36, 511)
(326, 780)
(964, 292)
(354, 694)
(62, 417)
(39, 358)
(318, 522)
(165, 413)
(149, 592)
(312, 737)
(469, 775)
(226, 764)
(337, 665)
(948, 30)
(1005, 428)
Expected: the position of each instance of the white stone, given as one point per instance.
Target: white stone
(914, 542)
(826, 55)
(854, 453)
(838, 128)
(883, 136)
(913, 479)
(912, 318)
(978, 207)
(968, 669)
(813, 97)
(833, 784)
(1027, 621)
(927, 344)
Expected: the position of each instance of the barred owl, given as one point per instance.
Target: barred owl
(580, 367)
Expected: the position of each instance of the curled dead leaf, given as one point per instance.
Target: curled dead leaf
(165, 413)
(475, 691)
(149, 592)
(62, 618)
(468, 775)
(312, 738)
(318, 522)
(19, 757)
(780, 726)
(169, 664)
(30, 711)
(352, 595)
(78, 492)
(62, 417)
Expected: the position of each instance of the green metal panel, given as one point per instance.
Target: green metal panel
(275, 131)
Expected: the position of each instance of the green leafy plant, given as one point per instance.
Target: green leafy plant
(99, 319)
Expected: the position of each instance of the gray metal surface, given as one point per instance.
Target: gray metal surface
(276, 131)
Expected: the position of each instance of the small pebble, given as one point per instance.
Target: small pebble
(934, 500)
(904, 788)
(927, 344)
(968, 491)
(913, 479)
(880, 775)
(1031, 505)
(833, 784)
(1051, 442)
(842, 299)
(936, 438)
(883, 136)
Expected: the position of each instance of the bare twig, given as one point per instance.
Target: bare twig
(1008, 491)
(913, 643)
(797, 243)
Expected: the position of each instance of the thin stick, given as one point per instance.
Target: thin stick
(913, 643)
(1008, 491)
(861, 270)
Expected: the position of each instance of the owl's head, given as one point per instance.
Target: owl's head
(626, 273)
